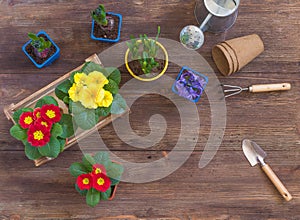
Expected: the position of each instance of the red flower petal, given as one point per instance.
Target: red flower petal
(98, 168)
(51, 113)
(38, 135)
(43, 122)
(26, 119)
(84, 181)
(101, 182)
(37, 113)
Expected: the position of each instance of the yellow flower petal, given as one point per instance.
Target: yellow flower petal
(80, 78)
(87, 98)
(74, 92)
(96, 78)
(107, 100)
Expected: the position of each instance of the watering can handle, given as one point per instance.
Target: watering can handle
(202, 26)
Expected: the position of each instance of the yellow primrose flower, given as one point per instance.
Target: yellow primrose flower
(90, 95)
(96, 78)
(74, 92)
(107, 100)
(80, 78)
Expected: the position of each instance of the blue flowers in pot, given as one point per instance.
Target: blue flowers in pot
(41, 49)
(106, 26)
(190, 84)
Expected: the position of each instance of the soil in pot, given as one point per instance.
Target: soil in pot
(30, 50)
(112, 34)
(135, 66)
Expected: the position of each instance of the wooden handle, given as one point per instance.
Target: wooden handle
(270, 87)
(280, 187)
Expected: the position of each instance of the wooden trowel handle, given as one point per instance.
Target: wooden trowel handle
(270, 87)
(276, 181)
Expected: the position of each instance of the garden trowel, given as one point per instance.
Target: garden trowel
(256, 155)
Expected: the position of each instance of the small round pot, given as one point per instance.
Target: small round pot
(153, 78)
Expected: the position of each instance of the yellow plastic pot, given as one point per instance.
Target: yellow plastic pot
(153, 78)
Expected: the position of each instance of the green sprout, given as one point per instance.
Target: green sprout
(39, 42)
(146, 55)
(99, 15)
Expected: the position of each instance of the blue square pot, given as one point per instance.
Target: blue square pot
(106, 39)
(205, 78)
(50, 59)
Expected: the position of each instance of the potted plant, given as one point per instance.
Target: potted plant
(41, 49)
(43, 130)
(146, 59)
(92, 93)
(97, 177)
(190, 84)
(106, 26)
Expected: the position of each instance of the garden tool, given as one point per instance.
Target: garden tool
(256, 155)
(231, 90)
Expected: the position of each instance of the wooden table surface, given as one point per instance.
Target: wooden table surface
(227, 188)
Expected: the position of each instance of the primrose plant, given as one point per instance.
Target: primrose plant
(41, 46)
(144, 50)
(106, 22)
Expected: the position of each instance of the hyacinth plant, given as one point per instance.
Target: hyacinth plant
(91, 93)
(41, 46)
(146, 56)
(190, 84)
(106, 22)
(43, 130)
(96, 177)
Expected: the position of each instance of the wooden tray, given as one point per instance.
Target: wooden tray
(50, 90)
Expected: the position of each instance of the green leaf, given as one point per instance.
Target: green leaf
(114, 181)
(114, 74)
(56, 130)
(66, 123)
(112, 86)
(102, 111)
(62, 143)
(62, 89)
(47, 100)
(119, 105)
(51, 149)
(105, 195)
(102, 157)
(32, 153)
(76, 169)
(88, 161)
(77, 107)
(92, 197)
(114, 170)
(19, 112)
(81, 192)
(86, 120)
(91, 66)
(32, 36)
(19, 133)
(66, 100)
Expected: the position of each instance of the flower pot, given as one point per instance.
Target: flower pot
(47, 61)
(119, 25)
(156, 76)
(191, 85)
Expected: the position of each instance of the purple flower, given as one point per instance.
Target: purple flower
(190, 85)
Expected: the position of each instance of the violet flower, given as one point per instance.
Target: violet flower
(190, 86)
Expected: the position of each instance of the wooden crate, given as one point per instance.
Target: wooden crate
(50, 90)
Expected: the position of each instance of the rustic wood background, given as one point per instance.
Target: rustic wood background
(228, 188)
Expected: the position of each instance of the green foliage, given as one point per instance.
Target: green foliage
(113, 171)
(92, 197)
(19, 133)
(67, 125)
(99, 15)
(144, 50)
(119, 105)
(39, 42)
(46, 100)
(32, 153)
(88, 118)
(51, 149)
